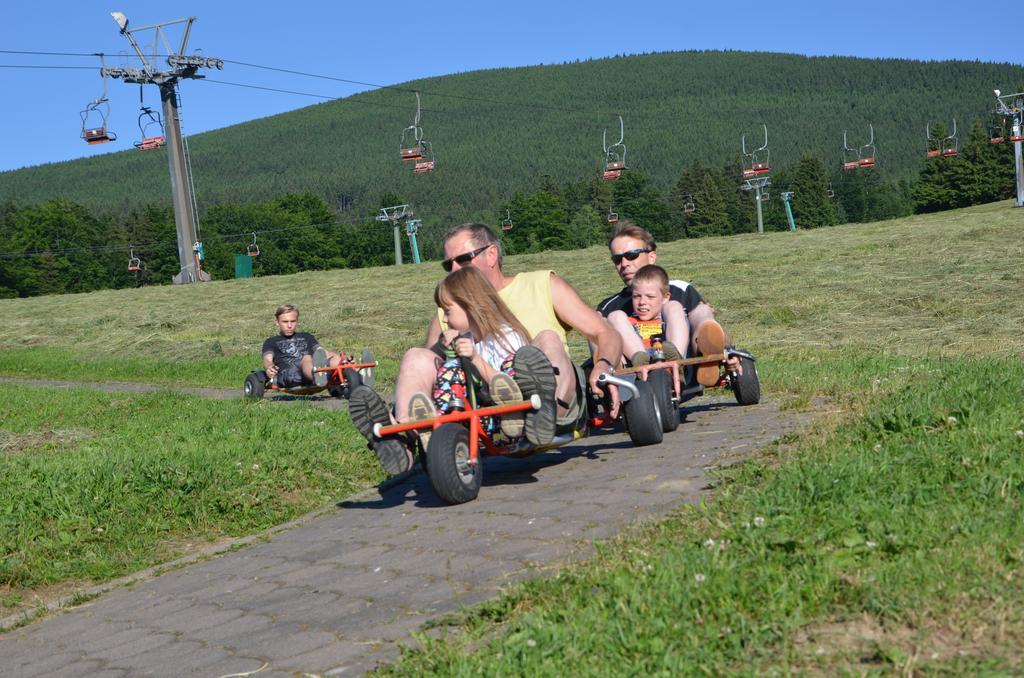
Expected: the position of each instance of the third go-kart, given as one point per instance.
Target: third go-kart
(673, 386)
(341, 379)
(458, 440)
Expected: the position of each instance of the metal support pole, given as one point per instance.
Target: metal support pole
(1012, 106)
(1018, 159)
(786, 197)
(398, 245)
(415, 248)
(181, 65)
(184, 217)
(760, 218)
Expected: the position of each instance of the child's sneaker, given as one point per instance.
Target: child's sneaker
(366, 409)
(320, 360)
(421, 407)
(710, 339)
(504, 391)
(671, 352)
(535, 375)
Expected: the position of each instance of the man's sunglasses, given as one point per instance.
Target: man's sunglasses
(631, 255)
(465, 258)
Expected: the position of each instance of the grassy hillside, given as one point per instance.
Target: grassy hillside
(499, 131)
(886, 537)
(890, 286)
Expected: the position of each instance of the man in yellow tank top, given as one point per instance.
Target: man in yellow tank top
(546, 305)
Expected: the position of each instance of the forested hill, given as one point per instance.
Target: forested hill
(495, 132)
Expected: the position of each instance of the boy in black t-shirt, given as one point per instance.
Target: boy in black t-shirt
(290, 357)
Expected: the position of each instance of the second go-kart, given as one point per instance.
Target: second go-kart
(458, 441)
(673, 386)
(341, 379)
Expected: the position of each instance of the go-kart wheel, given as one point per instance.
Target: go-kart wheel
(352, 378)
(747, 386)
(643, 422)
(339, 391)
(450, 472)
(366, 373)
(661, 385)
(253, 386)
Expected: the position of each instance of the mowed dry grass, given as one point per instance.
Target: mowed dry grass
(946, 284)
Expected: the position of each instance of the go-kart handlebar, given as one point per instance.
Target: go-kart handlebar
(606, 378)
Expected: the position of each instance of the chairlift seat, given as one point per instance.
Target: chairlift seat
(867, 162)
(150, 143)
(689, 209)
(252, 250)
(611, 175)
(852, 165)
(423, 167)
(506, 226)
(414, 153)
(615, 165)
(949, 152)
(1017, 138)
(997, 140)
(934, 153)
(97, 135)
(134, 264)
(748, 173)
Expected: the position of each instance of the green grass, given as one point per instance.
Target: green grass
(897, 325)
(893, 542)
(944, 283)
(96, 485)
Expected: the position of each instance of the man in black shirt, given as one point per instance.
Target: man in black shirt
(290, 357)
(632, 248)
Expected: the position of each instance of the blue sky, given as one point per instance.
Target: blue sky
(391, 42)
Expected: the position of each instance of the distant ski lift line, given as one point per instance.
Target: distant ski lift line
(757, 162)
(93, 133)
(614, 155)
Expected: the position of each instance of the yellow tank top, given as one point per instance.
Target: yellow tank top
(528, 296)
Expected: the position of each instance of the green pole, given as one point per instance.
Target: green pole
(415, 248)
(786, 196)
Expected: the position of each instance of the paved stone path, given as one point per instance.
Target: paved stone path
(338, 594)
(321, 400)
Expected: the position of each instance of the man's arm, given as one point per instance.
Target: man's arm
(433, 332)
(572, 310)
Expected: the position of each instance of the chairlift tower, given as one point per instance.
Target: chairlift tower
(393, 215)
(756, 167)
(181, 66)
(1012, 107)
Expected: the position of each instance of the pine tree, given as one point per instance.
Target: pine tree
(812, 208)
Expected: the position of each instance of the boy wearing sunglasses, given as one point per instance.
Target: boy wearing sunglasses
(632, 248)
(655, 319)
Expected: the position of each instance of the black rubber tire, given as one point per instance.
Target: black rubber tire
(254, 386)
(339, 391)
(643, 421)
(451, 476)
(367, 373)
(747, 387)
(661, 385)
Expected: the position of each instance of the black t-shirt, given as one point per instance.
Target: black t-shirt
(289, 350)
(678, 290)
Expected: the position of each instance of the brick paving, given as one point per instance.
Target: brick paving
(339, 593)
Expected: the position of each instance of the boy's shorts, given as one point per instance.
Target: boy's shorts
(290, 376)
